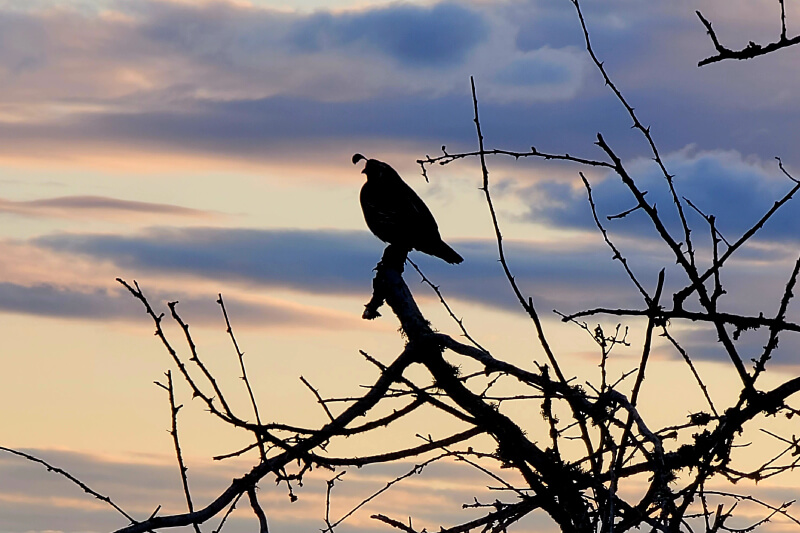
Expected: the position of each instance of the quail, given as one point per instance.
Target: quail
(396, 215)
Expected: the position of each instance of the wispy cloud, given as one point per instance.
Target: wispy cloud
(337, 262)
(104, 304)
(568, 276)
(42, 501)
(434, 497)
(95, 206)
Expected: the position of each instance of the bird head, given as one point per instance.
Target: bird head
(359, 157)
(374, 168)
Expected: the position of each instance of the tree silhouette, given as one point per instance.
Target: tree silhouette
(601, 463)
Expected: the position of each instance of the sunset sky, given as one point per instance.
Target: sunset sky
(203, 147)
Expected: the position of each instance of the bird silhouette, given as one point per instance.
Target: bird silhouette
(396, 215)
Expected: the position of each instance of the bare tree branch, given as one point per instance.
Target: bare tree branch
(263, 527)
(73, 479)
(752, 49)
(173, 408)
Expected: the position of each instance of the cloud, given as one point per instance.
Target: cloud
(101, 304)
(233, 80)
(175, 52)
(737, 191)
(72, 206)
(37, 500)
(226, 79)
(332, 262)
(49, 300)
(532, 71)
(341, 262)
(547, 74)
(569, 276)
(438, 35)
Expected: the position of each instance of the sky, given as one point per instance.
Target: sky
(203, 147)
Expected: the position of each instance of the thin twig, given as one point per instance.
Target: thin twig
(785, 173)
(449, 158)
(240, 355)
(617, 255)
(73, 479)
(136, 291)
(230, 510)
(696, 284)
(414, 471)
(645, 131)
(447, 307)
(394, 523)
(706, 218)
(173, 408)
(780, 510)
(399, 454)
(688, 360)
(195, 358)
(319, 398)
(774, 330)
(329, 489)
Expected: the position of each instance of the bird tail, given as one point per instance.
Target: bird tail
(443, 251)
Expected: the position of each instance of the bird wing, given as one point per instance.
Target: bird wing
(418, 217)
(383, 218)
(395, 214)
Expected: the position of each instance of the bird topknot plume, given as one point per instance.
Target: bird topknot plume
(396, 215)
